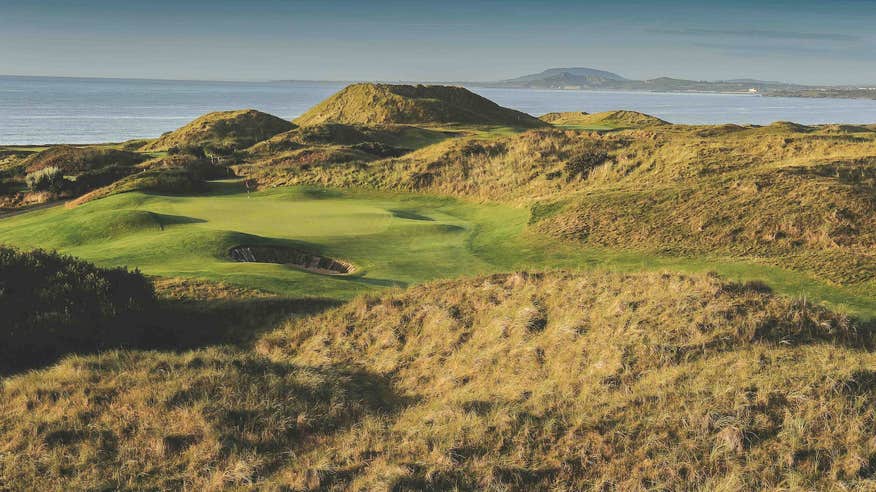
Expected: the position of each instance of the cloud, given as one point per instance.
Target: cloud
(759, 34)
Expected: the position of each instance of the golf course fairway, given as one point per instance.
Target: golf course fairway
(391, 240)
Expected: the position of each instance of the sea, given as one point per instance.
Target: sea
(44, 110)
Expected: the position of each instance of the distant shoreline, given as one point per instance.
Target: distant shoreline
(813, 92)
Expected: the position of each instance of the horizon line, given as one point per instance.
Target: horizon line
(396, 81)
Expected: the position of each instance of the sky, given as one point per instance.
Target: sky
(804, 41)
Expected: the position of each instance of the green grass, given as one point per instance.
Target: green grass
(393, 239)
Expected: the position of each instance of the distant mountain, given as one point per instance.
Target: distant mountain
(572, 73)
(590, 78)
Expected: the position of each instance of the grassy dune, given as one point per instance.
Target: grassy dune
(223, 130)
(513, 381)
(380, 104)
(786, 195)
(608, 120)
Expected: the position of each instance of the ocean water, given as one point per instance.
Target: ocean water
(37, 110)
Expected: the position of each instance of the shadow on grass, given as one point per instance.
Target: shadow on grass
(168, 220)
(176, 325)
(409, 215)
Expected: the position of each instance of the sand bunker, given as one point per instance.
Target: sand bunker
(288, 256)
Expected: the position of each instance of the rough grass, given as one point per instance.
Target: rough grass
(172, 181)
(226, 130)
(404, 137)
(172, 174)
(608, 120)
(75, 160)
(381, 104)
(515, 381)
(792, 196)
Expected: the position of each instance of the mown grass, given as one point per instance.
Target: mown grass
(393, 239)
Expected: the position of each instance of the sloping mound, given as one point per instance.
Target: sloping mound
(503, 382)
(401, 137)
(175, 181)
(73, 160)
(719, 130)
(625, 119)
(820, 219)
(564, 118)
(380, 104)
(88, 226)
(606, 120)
(845, 129)
(789, 126)
(224, 131)
(569, 381)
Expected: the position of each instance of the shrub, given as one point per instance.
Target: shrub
(51, 304)
(47, 179)
(7, 186)
(193, 150)
(97, 178)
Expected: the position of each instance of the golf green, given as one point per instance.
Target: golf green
(391, 239)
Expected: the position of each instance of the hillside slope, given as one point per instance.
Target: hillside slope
(608, 120)
(379, 104)
(512, 381)
(73, 159)
(793, 196)
(224, 130)
(589, 78)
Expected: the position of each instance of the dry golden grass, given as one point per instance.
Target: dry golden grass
(224, 129)
(405, 137)
(516, 381)
(604, 120)
(73, 160)
(793, 196)
(381, 104)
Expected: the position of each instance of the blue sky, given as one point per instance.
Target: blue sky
(823, 42)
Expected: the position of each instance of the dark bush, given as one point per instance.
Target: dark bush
(49, 179)
(581, 164)
(8, 186)
(97, 178)
(194, 150)
(51, 304)
(379, 149)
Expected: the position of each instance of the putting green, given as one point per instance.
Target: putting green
(392, 239)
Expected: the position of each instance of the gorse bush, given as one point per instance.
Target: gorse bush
(51, 304)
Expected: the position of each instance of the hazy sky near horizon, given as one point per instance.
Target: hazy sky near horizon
(805, 41)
